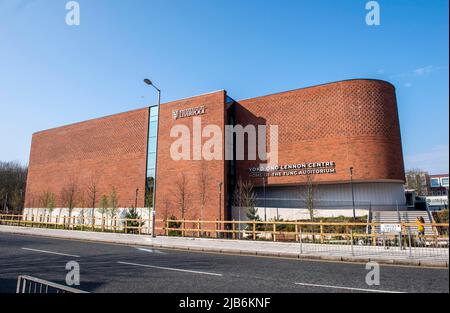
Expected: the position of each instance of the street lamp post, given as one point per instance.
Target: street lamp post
(220, 200)
(135, 198)
(264, 195)
(220, 204)
(152, 211)
(353, 193)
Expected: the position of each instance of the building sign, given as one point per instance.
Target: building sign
(314, 168)
(177, 114)
(391, 228)
(437, 201)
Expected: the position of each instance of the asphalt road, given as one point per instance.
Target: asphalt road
(117, 268)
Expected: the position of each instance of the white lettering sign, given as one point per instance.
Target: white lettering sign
(177, 114)
(391, 228)
(313, 168)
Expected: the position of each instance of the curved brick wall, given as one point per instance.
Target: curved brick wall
(353, 123)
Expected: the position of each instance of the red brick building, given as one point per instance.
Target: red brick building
(325, 130)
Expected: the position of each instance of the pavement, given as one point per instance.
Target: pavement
(429, 257)
(124, 268)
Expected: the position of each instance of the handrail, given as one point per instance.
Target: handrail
(23, 279)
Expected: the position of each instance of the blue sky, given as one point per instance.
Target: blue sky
(52, 74)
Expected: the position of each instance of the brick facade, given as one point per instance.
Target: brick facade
(109, 152)
(352, 123)
(169, 172)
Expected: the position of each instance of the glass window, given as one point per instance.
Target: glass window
(444, 182)
(153, 128)
(151, 161)
(152, 144)
(435, 183)
(154, 112)
(151, 157)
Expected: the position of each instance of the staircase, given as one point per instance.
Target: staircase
(394, 217)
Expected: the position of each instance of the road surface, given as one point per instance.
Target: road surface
(118, 268)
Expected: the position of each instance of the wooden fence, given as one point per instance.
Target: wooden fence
(315, 232)
(102, 224)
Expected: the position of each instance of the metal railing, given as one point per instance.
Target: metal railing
(28, 284)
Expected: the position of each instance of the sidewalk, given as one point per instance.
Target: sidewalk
(429, 257)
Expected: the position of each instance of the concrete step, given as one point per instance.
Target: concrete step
(387, 217)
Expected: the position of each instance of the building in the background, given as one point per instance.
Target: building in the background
(439, 185)
(419, 181)
(342, 139)
(438, 198)
(424, 191)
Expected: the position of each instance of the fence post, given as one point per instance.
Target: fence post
(233, 228)
(254, 230)
(321, 231)
(374, 234)
(296, 232)
(198, 228)
(410, 242)
(351, 238)
(167, 228)
(274, 231)
(216, 228)
(435, 233)
(301, 240)
(400, 237)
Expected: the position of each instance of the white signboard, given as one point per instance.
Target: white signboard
(437, 201)
(391, 228)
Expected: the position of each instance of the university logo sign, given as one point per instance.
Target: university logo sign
(177, 114)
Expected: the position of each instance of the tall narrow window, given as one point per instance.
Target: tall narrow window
(151, 157)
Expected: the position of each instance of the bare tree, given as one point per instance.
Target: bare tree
(244, 197)
(181, 194)
(166, 207)
(204, 181)
(307, 193)
(47, 201)
(113, 205)
(92, 191)
(69, 196)
(103, 207)
(418, 180)
(83, 205)
(13, 178)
